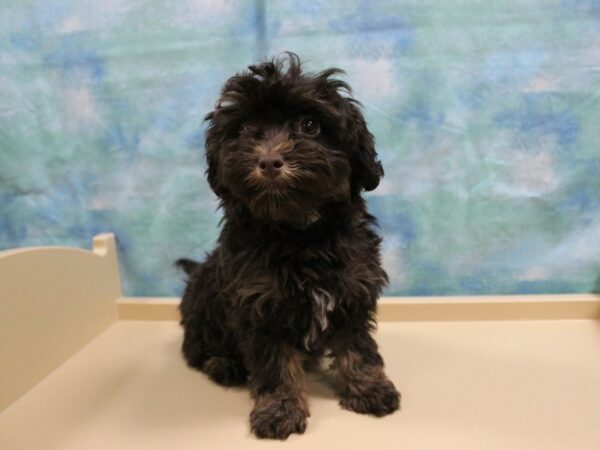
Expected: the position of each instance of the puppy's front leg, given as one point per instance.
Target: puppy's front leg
(365, 387)
(278, 387)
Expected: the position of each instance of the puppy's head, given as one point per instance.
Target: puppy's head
(286, 143)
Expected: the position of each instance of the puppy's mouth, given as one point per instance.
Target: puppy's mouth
(280, 200)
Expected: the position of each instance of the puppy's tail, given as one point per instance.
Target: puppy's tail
(187, 265)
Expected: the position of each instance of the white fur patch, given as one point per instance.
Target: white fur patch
(322, 304)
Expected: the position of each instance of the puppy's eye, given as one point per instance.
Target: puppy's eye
(243, 128)
(310, 127)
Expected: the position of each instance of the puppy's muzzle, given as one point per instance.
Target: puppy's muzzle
(270, 153)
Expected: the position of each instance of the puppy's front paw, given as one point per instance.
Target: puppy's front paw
(378, 398)
(278, 419)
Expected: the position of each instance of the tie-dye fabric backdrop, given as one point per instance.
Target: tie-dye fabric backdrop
(486, 115)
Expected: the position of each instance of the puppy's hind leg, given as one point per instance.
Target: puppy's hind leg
(226, 370)
(208, 349)
(208, 343)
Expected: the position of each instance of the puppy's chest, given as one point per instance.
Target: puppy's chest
(313, 294)
(307, 290)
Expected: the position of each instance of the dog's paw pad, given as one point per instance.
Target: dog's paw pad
(278, 420)
(378, 399)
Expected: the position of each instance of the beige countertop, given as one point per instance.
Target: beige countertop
(480, 385)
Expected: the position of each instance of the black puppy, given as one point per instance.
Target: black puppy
(297, 270)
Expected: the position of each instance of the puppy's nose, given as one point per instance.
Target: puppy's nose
(270, 164)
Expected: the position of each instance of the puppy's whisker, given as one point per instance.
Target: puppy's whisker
(254, 178)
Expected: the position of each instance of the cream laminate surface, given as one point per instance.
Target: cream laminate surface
(466, 385)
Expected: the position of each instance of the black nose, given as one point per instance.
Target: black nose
(270, 164)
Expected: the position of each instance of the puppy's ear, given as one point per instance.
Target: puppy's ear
(213, 144)
(366, 168)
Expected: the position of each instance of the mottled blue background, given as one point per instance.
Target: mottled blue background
(486, 116)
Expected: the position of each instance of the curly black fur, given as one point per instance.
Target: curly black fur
(297, 270)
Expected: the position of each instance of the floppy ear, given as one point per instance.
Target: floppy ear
(366, 168)
(212, 144)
